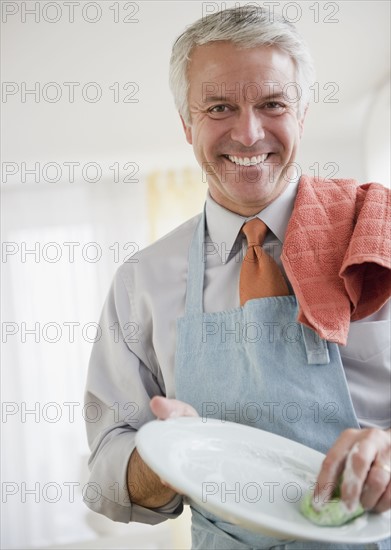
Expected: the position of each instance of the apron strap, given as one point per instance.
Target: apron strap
(316, 347)
(196, 268)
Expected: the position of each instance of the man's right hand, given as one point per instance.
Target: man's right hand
(145, 487)
(165, 408)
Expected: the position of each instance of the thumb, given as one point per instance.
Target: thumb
(164, 408)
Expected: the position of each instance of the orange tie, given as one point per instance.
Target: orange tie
(260, 276)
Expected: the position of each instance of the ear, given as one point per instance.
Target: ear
(301, 121)
(187, 130)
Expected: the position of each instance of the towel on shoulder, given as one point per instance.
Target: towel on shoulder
(337, 253)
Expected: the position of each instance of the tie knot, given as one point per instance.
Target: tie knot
(255, 231)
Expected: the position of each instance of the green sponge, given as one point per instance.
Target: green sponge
(331, 514)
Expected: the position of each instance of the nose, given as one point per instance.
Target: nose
(248, 127)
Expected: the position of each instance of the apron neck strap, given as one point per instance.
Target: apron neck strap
(316, 348)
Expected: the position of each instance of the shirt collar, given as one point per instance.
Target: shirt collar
(277, 214)
(224, 225)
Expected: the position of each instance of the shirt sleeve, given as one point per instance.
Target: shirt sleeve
(367, 363)
(120, 384)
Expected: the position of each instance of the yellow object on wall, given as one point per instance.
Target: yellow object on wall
(173, 196)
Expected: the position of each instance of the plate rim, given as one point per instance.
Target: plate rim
(322, 534)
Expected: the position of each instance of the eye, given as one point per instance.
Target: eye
(274, 106)
(218, 109)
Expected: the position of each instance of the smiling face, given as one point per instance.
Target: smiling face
(244, 128)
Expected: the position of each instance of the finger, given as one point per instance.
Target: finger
(384, 503)
(332, 467)
(164, 408)
(357, 470)
(358, 464)
(375, 486)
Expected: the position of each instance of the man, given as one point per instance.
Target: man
(233, 75)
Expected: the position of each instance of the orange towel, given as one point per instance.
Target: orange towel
(337, 253)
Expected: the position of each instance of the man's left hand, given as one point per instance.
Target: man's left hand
(363, 458)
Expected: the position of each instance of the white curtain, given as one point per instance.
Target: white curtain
(61, 246)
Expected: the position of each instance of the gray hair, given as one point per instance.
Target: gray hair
(248, 26)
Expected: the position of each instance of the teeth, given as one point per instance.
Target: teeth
(246, 161)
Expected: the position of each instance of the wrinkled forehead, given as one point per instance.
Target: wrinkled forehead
(224, 70)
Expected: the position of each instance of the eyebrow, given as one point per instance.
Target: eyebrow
(222, 99)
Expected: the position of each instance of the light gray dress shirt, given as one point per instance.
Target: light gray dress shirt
(134, 358)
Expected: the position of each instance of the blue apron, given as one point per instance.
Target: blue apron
(256, 365)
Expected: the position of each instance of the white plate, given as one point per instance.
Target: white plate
(246, 476)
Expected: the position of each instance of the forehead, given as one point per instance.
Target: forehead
(229, 66)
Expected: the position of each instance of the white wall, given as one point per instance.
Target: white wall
(349, 42)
